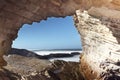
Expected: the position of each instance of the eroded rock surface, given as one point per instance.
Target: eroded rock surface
(100, 47)
(15, 13)
(24, 68)
(100, 37)
(25, 65)
(31, 68)
(66, 70)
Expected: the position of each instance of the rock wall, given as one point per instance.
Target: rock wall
(100, 35)
(101, 39)
(100, 47)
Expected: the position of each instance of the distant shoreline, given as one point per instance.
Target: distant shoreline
(67, 55)
(58, 50)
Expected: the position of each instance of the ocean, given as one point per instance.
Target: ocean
(75, 58)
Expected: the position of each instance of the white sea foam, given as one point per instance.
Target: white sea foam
(73, 59)
(54, 52)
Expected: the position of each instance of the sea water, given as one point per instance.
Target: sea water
(72, 59)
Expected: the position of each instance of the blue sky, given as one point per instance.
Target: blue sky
(54, 33)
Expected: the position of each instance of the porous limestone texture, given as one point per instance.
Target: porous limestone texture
(100, 41)
(100, 37)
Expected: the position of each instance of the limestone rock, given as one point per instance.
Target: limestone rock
(24, 68)
(25, 65)
(100, 37)
(15, 13)
(30, 68)
(100, 42)
(66, 70)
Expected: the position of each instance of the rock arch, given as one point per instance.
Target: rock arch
(102, 33)
(14, 13)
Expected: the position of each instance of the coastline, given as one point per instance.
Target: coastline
(29, 67)
(47, 52)
(71, 55)
(66, 54)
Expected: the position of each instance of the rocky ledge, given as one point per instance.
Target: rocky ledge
(31, 68)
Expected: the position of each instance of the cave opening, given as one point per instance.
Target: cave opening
(99, 43)
(55, 35)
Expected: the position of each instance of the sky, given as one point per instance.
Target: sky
(53, 33)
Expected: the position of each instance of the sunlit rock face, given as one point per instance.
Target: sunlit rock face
(100, 35)
(101, 48)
